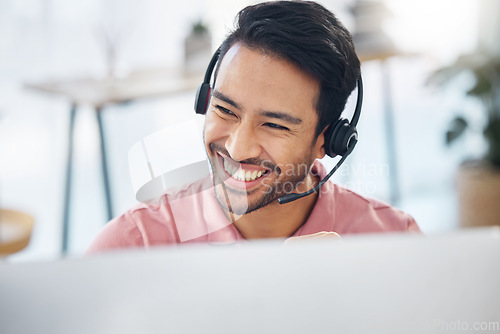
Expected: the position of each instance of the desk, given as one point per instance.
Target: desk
(98, 93)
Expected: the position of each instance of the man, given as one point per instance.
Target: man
(282, 78)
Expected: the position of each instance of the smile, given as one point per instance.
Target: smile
(240, 174)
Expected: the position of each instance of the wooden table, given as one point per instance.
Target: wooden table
(100, 92)
(15, 231)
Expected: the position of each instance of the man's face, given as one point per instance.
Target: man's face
(259, 130)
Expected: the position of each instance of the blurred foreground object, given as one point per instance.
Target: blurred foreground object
(478, 180)
(15, 231)
(365, 284)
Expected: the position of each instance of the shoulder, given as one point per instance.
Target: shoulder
(162, 222)
(120, 232)
(142, 226)
(354, 213)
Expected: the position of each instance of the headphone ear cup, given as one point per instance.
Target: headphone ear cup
(330, 139)
(340, 137)
(202, 98)
(346, 138)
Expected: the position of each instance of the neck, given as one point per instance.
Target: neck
(277, 220)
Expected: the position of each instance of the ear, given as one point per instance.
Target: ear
(319, 146)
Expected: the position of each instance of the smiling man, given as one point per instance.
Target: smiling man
(282, 79)
(259, 132)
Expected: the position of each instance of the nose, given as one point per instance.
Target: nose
(242, 143)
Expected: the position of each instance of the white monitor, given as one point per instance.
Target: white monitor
(367, 284)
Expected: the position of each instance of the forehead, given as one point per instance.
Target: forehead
(259, 81)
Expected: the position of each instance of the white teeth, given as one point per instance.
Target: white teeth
(240, 174)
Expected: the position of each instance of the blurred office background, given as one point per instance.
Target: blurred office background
(43, 40)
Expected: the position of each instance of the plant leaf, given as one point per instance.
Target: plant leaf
(456, 129)
(492, 134)
(483, 85)
(443, 75)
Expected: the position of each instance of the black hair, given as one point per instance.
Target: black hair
(308, 35)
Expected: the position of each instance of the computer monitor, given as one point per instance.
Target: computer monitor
(365, 284)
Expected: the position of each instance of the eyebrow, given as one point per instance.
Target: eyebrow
(282, 116)
(224, 98)
(271, 114)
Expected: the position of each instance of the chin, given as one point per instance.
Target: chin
(239, 203)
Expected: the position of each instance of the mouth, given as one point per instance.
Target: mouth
(242, 175)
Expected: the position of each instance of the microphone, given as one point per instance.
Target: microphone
(292, 197)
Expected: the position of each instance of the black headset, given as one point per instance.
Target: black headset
(340, 137)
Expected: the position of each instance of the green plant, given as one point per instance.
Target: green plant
(199, 28)
(485, 69)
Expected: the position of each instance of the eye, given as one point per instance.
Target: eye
(276, 126)
(224, 111)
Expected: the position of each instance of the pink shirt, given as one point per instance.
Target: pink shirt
(193, 214)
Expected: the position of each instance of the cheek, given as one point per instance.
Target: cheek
(208, 129)
(293, 153)
(214, 128)
(278, 150)
(282, 153)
